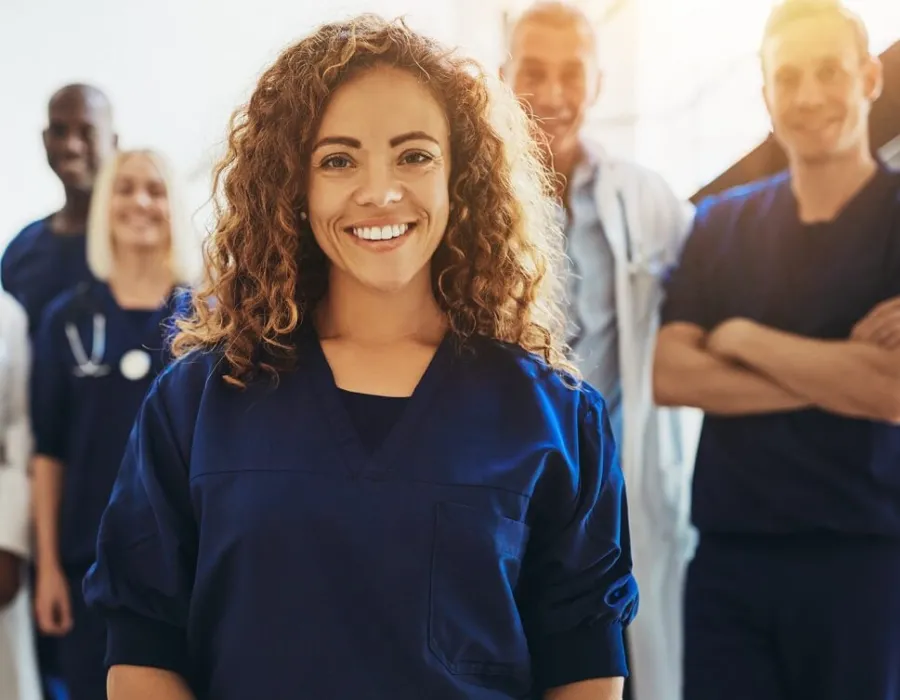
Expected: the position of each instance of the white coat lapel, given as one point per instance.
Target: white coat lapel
(607, 193)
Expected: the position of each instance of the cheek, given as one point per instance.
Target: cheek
(117, 208)
(326, 201)
(162, 210)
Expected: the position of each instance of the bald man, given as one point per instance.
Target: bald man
(48, 256)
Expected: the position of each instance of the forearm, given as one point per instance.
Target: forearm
(596, 689)
(144, 683)
(845, 377)
(46, 490)
(685, 374)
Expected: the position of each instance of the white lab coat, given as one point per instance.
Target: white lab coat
(646, 225)
(18, 668)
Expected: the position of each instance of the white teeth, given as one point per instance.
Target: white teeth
(380, 233)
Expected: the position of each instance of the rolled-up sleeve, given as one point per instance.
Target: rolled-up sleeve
(578, 594)
(689, 297)
(17, 437)
(142, 579)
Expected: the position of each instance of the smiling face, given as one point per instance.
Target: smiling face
(379, 174)
(554, 70)
(79, 137)
(139, 206)
(819, 88)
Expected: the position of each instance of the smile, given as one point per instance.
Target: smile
(381, 233)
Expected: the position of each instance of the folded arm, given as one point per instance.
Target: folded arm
(847, 377)
(686, 373)
(597, 689)
(142, 683)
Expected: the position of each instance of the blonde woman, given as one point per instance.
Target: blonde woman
(97, 351)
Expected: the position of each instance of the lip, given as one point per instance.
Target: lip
(69, 164)
(382, 246)
(378, 222)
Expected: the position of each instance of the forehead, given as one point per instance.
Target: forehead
(383, 103)
(811, 41)
(552, 44)
(138, 167)
(79, 106)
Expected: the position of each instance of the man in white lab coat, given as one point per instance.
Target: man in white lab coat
(624, 228)
(18, 673)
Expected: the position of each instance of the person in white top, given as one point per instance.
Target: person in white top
(624, 229)
(16, 654)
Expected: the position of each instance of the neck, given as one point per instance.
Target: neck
(564, 165)
(352, 311)
(72, 218)
(823, 188)
(141, 279)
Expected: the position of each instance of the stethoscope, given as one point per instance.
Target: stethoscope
(134, 364)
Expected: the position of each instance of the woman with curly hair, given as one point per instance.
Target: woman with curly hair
(371, 474)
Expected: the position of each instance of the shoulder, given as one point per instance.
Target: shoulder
(190, 373)
(62, 306)
(23, 240)
(536, 386)
(647, 180)
(755, 195)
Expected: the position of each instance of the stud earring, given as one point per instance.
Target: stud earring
(303, 216)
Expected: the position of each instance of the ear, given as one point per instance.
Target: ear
(764, 93)
(45, 137)
(873, 77)
(596, 88)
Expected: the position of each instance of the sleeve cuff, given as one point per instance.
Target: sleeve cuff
(133, 640)
(582, 654)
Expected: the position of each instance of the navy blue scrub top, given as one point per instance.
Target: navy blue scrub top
(750, 256)
(256, 546)
(38, 265)
(84, 421)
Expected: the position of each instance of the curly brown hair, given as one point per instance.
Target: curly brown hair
(495, 271)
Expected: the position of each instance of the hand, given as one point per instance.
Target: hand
(881, 326)
(726, 339)
(52, 604)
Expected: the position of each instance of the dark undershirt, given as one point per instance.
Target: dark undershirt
(373, 416)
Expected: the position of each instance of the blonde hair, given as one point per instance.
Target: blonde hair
(184, 251)
(787, 12)
(496, 271)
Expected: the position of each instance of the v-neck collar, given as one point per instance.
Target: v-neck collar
(859, 203)
(146, 327)
(361, 463)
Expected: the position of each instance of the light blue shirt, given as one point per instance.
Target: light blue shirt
(593, 331)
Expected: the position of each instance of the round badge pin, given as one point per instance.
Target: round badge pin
(134, 365)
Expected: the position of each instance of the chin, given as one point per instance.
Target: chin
(387, 286)
(79, 183)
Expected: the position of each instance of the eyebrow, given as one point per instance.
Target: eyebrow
(394, 142)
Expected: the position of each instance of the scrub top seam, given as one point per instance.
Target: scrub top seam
(329, 475)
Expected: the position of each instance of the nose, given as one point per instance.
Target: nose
(73, 144)
(552, 95)
(141, 198)
(379, 187)
(810, 93)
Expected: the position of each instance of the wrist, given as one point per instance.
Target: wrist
(47, 561)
